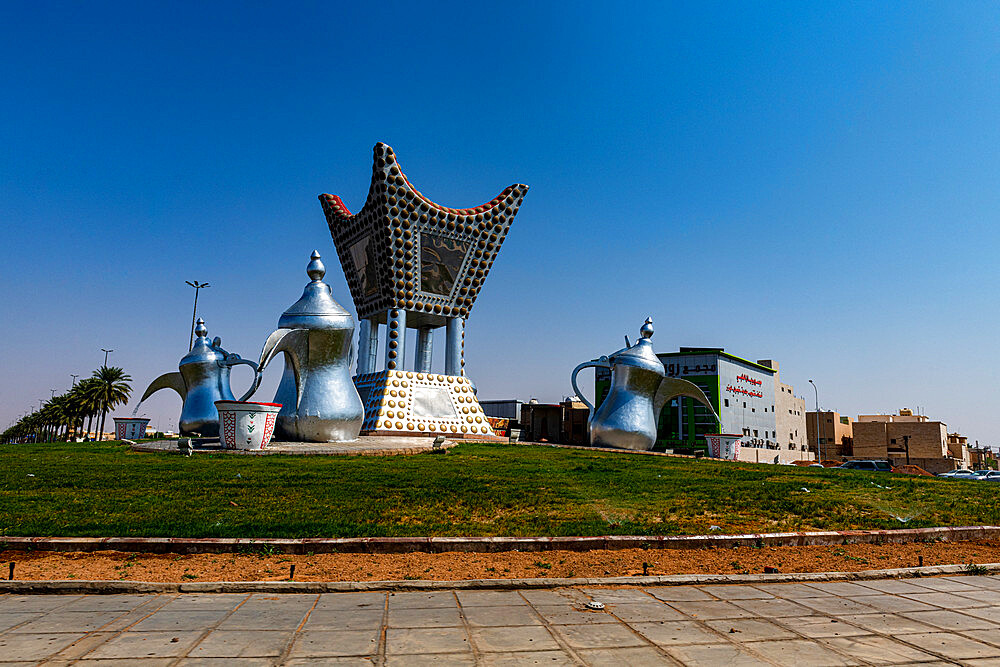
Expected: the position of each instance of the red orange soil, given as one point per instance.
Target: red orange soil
(114, 565)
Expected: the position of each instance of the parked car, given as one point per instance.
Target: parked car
(871, 466)
(987, 475)
(961, 473)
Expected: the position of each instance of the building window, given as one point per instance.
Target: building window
(753, 409)
(755, 433)
(892, 441)
(744, 404)
(727, 402)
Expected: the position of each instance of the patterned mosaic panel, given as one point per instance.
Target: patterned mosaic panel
(401, 250)
(410, 402)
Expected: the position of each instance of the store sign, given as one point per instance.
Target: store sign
(749, 380)
(674, 370)
(744, 391)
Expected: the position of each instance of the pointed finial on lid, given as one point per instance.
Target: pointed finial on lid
(646, 330)
(201, 330)
(316, 269)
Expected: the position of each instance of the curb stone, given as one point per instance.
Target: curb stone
(376, 545)
(67, 587)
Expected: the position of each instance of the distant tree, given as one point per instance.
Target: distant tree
(113, 390)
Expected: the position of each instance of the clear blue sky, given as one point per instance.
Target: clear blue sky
(815, 183)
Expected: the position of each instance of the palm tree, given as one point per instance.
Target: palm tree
(113, 389)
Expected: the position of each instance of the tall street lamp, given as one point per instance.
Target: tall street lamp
(106, 353)
(74, 376)
(819, 441)
(197, 287)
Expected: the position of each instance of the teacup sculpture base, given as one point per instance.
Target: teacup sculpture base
(412, 403)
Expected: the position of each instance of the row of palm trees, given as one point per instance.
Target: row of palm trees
(62, 417)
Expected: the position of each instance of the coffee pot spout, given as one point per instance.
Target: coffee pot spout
(173, 381)
(671, 388)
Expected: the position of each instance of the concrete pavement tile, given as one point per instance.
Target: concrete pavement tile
(837, 606)
(944, 585)
(242, 644)
(946, 600)
(739, 592)
(841, 588)
(792, 591)
(714, 609)
(564, 614)
(555, 658)
(180, 620)
(893, 586)
(142, 645)
(987, 636)
(500, 616)
(952, 646)
(436, 599)
(642, 656)
(618, 596)
(107, 602)
(490, 598)
(85, 645)
(9, 620)
(450, 659)
(950, 620)
(820, 626)
(332, 643)
(257, 617)
(344, 619)
(887, 624)
(216, 662)
(63, 621)
(990, 581)
(416, 641)
(801, 653)
(892, 603)
(204, 601)
(354, 662)
(679, 632)
(984, 662)
(648, 611)
(773, 608)
(678, 593)
(750, 629)
(878, 650)
(714, 654)
(35, 647)
(9, 603)
(120, 662)
(988, 596)
(367, 600)
(440, 617)
(550, 598)
(516, 638)
(599, 636)
(987, 613)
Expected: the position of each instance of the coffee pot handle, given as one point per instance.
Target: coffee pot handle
(596, 363)
(234, 359)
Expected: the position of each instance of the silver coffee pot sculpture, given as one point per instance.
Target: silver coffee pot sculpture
(319, 400)
(202, 379)
(627, 417)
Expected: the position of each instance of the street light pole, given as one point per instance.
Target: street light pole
(819, 448)
(106, 353)
(197, 286)
(74, 376)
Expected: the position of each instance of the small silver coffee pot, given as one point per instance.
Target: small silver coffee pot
(627, 417)
(319, 400)
(202, 379)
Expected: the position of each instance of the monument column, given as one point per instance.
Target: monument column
(425, 349)
(367, 346)
(395, 348)
(454, 360)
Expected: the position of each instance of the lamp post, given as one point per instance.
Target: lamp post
(819, 448)
(106, 353)
(906, 443)
(74, 376)
(197, 287)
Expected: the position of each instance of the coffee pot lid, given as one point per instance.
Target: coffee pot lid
(202, 350)
(641, 354)
(316, 308)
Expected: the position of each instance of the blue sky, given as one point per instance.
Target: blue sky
(815, 183)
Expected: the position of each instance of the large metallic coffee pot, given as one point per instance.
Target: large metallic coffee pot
(201, 380)
(319, 399)
(628, 416)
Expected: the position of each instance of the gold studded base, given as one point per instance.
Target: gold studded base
(406, 402)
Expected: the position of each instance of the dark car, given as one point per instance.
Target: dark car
(871, 466)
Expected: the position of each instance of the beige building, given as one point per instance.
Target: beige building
(789, 418)
(909, 438)
(836, 434)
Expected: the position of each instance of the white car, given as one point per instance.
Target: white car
(958, 474)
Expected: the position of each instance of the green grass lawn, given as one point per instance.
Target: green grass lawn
(102, 489)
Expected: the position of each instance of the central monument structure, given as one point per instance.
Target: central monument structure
(412, 264)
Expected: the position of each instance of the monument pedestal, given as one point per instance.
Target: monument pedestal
(412, 403)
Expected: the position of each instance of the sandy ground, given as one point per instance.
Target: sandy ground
(115, 565)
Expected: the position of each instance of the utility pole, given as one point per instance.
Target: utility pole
(197, 287)
(906, 442)
(819, 440)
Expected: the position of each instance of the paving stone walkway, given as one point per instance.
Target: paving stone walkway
(948, 620)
